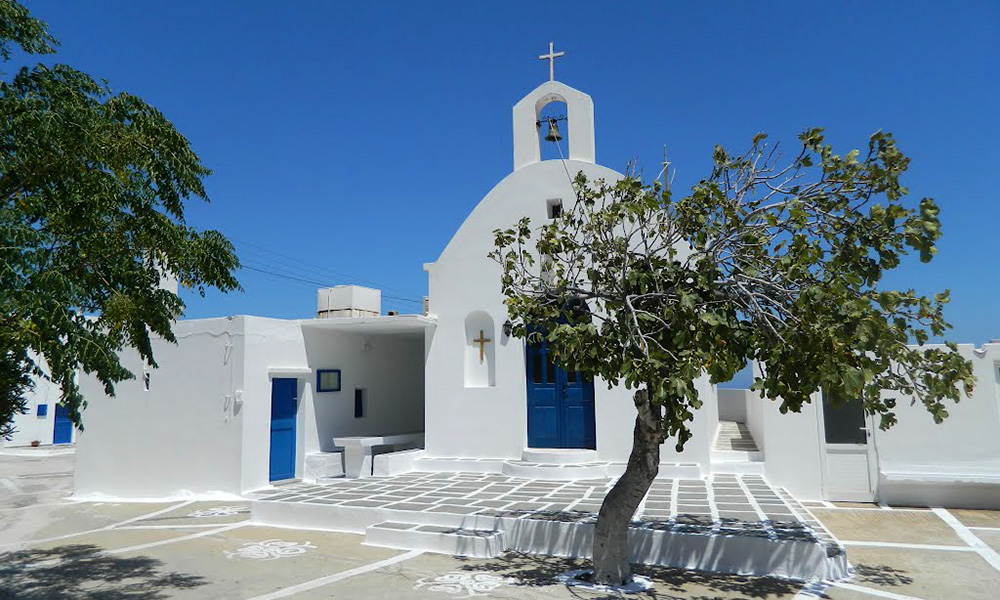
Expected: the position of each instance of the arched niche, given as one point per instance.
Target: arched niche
(480, 350)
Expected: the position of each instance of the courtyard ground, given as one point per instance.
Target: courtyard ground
(54, 548)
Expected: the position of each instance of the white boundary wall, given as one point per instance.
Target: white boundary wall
(183, 435)
(203, 428)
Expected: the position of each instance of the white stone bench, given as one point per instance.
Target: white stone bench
(955, 486)
(358, 449)
(322, 465)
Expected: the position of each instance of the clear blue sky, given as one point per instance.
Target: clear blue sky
(354, 138)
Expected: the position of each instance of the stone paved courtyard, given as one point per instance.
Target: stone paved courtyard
(722, 504)
(52, 548)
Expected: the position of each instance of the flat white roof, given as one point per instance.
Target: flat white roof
(400, 324)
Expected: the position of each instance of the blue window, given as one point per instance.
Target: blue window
(43, 409)
(359, 403)
(328, 380)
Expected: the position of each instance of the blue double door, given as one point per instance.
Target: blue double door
(284, 408)
(560, 403)
(62, 430)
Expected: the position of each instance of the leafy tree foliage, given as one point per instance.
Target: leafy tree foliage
(92, 193)
(766, 259)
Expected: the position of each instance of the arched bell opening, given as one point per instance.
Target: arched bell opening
(553, 130)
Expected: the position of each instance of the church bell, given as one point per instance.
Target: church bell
(553, 135)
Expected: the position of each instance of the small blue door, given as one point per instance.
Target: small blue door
(560, 403)
(62, 431)
(284, 404)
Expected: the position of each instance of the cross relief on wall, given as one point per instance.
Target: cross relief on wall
(482, 341)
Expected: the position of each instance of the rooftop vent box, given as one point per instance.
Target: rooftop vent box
(348, 301)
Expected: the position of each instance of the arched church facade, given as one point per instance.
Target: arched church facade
(532, 411)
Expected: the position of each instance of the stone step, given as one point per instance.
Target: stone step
(737, 456)
(738, 467)
(456, 541)
(559, 456)
(555, 472)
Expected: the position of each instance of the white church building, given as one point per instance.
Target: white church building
(241, 403)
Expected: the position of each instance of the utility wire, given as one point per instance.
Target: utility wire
(318, 283)
(287, 262)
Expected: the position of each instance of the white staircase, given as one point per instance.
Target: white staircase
(735, 451)
(456, 541)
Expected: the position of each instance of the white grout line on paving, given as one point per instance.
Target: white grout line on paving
(989, 554)
(907, 546)
(712, 508)
(37, 505)
(984, 528)
(812, 589)
(182, 538)
(198, 526)
(750, 498)
(879, 508)
(872, 591)
(153, 514)
(56, 561)
(89, 531)
(315, 583)
(674, 492)
(579, 499)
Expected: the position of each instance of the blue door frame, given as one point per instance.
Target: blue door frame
(62, 430)
(284, 405)
(560, 403)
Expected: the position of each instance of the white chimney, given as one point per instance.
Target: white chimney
(348, 301)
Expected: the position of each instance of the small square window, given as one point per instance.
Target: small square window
(359, 403)
(328, 380)
(43, 409)
(555, 208)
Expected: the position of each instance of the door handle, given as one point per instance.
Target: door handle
(565, 393)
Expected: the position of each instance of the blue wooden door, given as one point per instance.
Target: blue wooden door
(560, 403)
(62, 431)
(284, 403)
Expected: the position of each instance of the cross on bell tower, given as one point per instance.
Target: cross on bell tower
(551, 57)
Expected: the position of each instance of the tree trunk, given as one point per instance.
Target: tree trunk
(611, 566)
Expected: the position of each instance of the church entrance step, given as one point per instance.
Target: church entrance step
(738, 467)
(456, 541)
(559, 456)
(556, 471)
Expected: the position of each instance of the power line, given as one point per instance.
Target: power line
(318, 283)
(312, 267)
(289, 262)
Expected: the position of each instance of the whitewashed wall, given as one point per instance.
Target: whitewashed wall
(491, 422)
(204, 425)
(183, 435)
(29, 427)
(733, 404)
(792, 448)
(956, 463)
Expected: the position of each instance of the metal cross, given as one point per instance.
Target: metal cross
(482, 345)
(551, 57)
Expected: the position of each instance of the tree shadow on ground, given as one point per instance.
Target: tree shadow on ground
(881, 575)
(670, 583)
(79, 571)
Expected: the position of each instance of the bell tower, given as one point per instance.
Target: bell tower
(579, 117)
